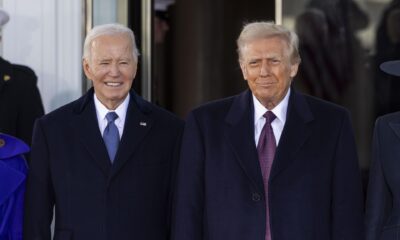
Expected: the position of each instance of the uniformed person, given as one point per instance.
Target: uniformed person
(20, 102)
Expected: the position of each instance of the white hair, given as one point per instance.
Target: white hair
(109, 29)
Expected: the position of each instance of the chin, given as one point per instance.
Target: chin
(116, 98)
(117, 93)
(265, 94)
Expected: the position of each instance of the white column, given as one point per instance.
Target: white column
(46, 35)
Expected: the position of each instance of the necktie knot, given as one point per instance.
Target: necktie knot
(111, 116)
(269, 117)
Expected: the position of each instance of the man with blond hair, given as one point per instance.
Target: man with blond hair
(269, 163)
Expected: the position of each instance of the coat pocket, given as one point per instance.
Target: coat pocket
(62, 235)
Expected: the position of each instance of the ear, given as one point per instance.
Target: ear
(87, 68)
(293, 69)
(244, 69)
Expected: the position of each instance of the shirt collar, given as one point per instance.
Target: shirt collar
(279, 110)
(120, 110)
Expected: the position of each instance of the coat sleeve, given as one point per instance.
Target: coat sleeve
(188, 207)
(17, 215)
(347, 199)
(379, 197)
(175, 160)
(12, 174)
(39, 196)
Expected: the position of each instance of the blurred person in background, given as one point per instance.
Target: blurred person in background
(20, 101)
(387, 87)
(162, 82)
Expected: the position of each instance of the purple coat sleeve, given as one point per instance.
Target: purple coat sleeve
(13, 171)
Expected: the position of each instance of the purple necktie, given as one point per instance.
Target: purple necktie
(266, 153)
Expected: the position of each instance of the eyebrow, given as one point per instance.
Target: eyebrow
(261, 58)
(103, 59)
(111, 59)
(125, 59)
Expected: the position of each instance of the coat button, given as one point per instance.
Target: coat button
(256, 197)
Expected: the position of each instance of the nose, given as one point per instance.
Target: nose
(264, 69)
(114, 70)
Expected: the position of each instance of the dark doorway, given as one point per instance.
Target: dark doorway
(196, 60)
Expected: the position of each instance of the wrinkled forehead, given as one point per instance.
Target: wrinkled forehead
(111, 44)
(265, 47)
(119, 39)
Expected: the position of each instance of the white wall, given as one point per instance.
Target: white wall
(46, 35)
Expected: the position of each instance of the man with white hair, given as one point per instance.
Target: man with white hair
(104, 161)
(269, 163)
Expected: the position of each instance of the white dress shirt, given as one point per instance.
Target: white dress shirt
(277, 124)
(101, 112)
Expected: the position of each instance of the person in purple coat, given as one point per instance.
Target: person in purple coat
(13, 170)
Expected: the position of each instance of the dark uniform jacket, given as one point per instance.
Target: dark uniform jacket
(20, 102)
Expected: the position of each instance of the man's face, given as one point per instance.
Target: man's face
(267, 68)
(111, 68)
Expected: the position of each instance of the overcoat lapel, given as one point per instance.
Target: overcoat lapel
(137, 125)
(295, 132)
(86, 127)
(239, 132)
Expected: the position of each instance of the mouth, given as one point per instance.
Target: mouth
(265, 84)
(113, 84)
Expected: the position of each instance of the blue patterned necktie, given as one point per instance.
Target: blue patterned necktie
(266, 152)
(111, 135)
